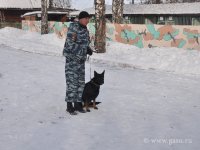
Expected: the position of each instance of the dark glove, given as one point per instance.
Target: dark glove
(89, 51)
(82, 61)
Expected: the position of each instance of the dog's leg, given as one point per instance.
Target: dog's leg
(87, 106)
(94, 104)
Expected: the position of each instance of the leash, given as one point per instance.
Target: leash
(88, 58)
(90, 67)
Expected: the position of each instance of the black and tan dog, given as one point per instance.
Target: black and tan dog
(91, 90)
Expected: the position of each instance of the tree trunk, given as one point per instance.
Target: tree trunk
(117, 11)
(50, 4)
(44, 17)
(2, 16)
(158, 1)
(100, 26)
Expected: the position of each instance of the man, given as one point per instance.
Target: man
(75, 50)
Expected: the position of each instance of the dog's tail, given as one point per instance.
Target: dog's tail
(97, 103)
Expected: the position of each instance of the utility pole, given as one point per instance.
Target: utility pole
(100, 26)
(117, 11)
(44, 17)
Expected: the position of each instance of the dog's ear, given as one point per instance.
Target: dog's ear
(95, 73)
(103, 72)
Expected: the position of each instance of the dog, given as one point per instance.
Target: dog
(91, 90)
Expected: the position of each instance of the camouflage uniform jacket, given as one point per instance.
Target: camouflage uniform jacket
(76, 42)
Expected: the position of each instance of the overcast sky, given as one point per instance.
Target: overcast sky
(81, 4)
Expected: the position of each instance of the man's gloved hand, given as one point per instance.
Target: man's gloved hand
(89, 51)
(82, 61)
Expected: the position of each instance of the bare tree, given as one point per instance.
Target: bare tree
(50, 3)
(117, 11)
(100, 26)
(44, 19)
(61, 3)
(2, 16)
(158, 1)
(131, 1)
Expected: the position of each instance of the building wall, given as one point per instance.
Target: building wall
(13, 15)
(150, 35)
(159, 19)
(11, 18)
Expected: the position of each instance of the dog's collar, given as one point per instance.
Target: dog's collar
(95, 83)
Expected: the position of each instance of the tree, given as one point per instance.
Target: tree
(44, 17)
(100, 26)
(50, 3)
(61, 3)
(117, 11)
(130, 1)
(158, 1)
(2, 16)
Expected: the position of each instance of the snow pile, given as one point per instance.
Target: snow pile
(31, 41)
(166, 59)
(117, 54)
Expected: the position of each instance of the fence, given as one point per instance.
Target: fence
(147, 35)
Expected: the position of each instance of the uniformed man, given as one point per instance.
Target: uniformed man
(75, 51)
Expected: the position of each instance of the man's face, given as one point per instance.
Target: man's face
(84, 21)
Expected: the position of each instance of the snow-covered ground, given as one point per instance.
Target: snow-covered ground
(140, 109)
(167, 59)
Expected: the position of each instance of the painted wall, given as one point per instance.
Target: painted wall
(149, 35)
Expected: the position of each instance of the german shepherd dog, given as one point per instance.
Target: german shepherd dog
(91, 90)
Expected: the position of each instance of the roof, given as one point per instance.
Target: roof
(175, 8)
(39, 12)
(20, 4)
(30, 4)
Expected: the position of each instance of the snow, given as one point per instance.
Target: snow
(141, 108)
(173, 60)
(39, 12)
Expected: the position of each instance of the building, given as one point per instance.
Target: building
(56, 15)
(12, 10)
(173, 14)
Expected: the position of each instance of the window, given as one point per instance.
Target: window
(161, 18)
(170, 18)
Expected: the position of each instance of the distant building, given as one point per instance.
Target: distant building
(12, 10)
(56, 15)
(174, 14)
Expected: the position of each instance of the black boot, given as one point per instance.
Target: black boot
(70, 109)
(78, 106)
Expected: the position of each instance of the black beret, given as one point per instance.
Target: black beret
(83, 14)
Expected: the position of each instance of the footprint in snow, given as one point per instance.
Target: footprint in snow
(53, 122)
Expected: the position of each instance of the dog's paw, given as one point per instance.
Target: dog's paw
(95, 107)
(87, 110)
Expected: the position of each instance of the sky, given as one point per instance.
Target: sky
(81, 4)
